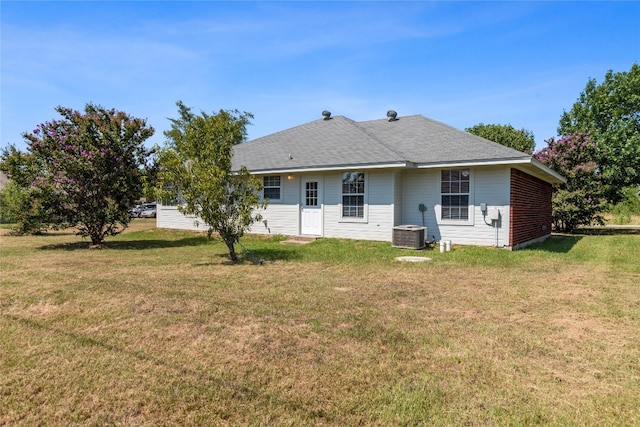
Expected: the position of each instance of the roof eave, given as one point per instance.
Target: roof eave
(324, 168)
(527, 164)
(557, 178)
(469, 163)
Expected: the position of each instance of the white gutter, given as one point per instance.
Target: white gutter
(472, 163)
(548, 170)
(333, 168)
(528, 161)
(529, 164)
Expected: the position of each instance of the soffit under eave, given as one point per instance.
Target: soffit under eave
(527, 164)
(548, 176)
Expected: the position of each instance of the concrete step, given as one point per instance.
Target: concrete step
(300, 240)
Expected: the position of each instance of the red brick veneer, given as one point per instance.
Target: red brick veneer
(530, 208)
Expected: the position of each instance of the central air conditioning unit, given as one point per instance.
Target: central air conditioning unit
(409, 236)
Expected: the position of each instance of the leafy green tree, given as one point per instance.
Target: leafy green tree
(27, 206)
(195, 166)
(83, 170)
(579, 201)
(521, 140)
(609, 113)
(150, 176)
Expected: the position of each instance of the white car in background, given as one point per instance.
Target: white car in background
(134, 211)
(147, 211)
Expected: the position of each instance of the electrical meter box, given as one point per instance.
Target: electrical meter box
(494, 214)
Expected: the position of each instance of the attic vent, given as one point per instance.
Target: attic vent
(391, 115)
(326, 115)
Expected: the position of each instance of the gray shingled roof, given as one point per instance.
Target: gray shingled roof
(318, 144)
(425, 141)
(342, 143)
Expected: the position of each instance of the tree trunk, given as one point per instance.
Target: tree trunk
(232, 250)
(96, 240)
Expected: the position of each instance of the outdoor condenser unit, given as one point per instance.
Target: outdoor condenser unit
(409, 236)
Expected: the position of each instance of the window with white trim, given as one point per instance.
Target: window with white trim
(454, 188)
(353, 195)
(271, 187)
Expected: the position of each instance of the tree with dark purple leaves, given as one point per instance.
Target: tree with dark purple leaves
(581, 199)
(84, 170)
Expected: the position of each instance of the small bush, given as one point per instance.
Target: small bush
(628, 207)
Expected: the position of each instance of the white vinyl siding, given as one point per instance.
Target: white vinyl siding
(170, 217)
(492, 186)
(488, 185)
(378, 208)
(392, 197)
(397, 198)
(282, 217)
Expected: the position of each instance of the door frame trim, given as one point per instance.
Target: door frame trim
(320, 207)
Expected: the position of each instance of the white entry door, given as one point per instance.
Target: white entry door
(311, 207)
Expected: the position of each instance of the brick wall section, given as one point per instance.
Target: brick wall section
(530, 208)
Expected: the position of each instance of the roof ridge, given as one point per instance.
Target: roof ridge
(292, 129)
(402, 156)
(448, 126)
(391, 148)
(342, 141)
(387, 119)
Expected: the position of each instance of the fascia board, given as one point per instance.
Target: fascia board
(471, 163)
(548, 170)
(529, 164)
(332, 168)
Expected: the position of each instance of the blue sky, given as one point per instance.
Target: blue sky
(462, 63)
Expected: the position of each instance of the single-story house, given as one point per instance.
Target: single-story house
(335, 177)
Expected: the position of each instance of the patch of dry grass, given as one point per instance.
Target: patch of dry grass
(159, 328)
(619, 219)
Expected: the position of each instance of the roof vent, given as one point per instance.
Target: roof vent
(391, 115)
(326, 115)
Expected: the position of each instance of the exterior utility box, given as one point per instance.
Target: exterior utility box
(409, 236)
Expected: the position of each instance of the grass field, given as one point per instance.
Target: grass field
(621, 220)
(159, 328)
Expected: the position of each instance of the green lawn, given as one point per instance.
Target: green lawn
(159, 328)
